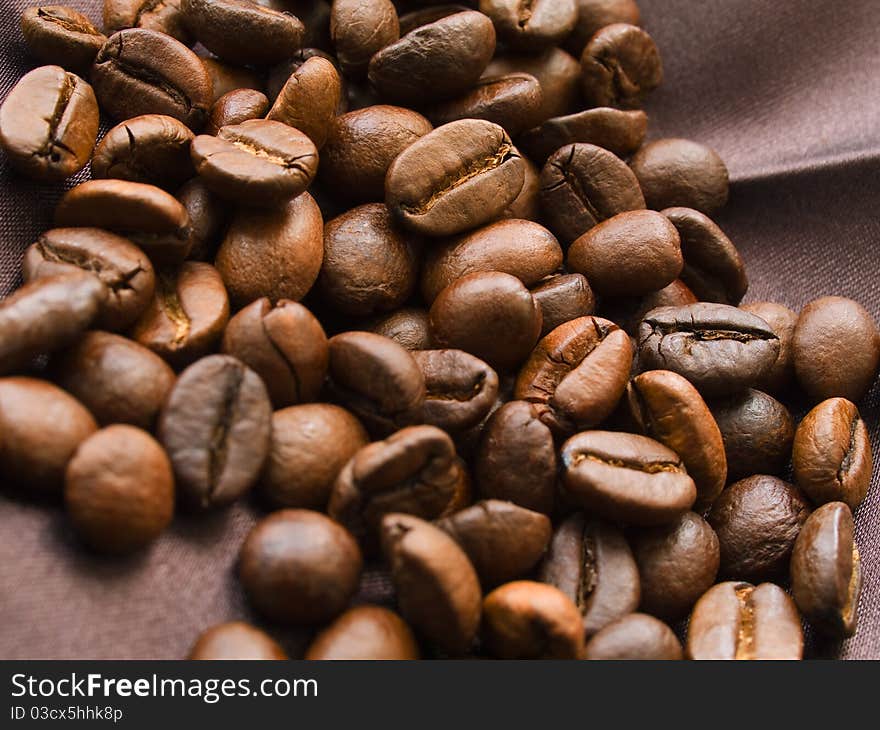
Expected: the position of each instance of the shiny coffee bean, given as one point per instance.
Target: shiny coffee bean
(359, 29)
(637, 636)
(532, 25)
(235, 640)
(56, 34)
(164, 17)
(562, 298)
(207, 218)
(309, 99)
(407, 326)
(596, 14)
(782, 321)
(227, 77)
(235, 107)
(365, 633)
(619, 66)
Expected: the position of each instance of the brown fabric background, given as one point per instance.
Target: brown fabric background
(788, 93)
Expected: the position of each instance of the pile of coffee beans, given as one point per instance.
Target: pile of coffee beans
(408, 276)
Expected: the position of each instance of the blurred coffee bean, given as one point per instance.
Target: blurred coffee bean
(235, 640)
(56, 34)
(635, 637)
(365, 633)
(619, 66)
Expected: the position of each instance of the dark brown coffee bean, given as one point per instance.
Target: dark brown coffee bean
(300, 567)
(562, 298)
(118, 380)
(46, 315)
(309, 100)
(782, 321)
(596, 14)
(832, 454)
(826, 571)
(635, 637)
(531, 26)
(273, 253)
(583, 185)
(235, 640)
(227, 77)
(437, 588)
(207, 218)
(408, 327)
(436, 61)
(235, 107)
(836, 349)
(164, 17)
(140, 71)
(577, 374)
(42, 427)
(757, 431)
(152, 148)
(56, 34)
(49, 124)
(528, 620)
(619, 67)
(591, 563)
(119, 490)
(681, 173)
(359, 29)
(365, 633)
(243, 32)
(187, 316)
(628, 478)
(717, 347)
(740, 621)
(668, 408)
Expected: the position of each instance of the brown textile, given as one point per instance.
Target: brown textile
(786, 92)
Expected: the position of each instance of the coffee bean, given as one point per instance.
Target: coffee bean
(309, 99)
(562, 298)
(207, 218)
(832, 454)
(583, 185)
(164, 17)
(407, 326)
(437, 589)
(243, 32)
(836, 349)
(826, 571)
(119, 490)
(740, 621)
(235, 107)
(635, 637)
(717, 347)
(56, 34)
(366, 633)
(42, 427)
(681, 173)
(528, 620)
(227, 77)
(300, 567)
(280, 74)
(627, 478)
(139, 71)
(455, 178)
(632, 253)
(619, 67)
(596, 14)
(49, 124)
(235, 640)
(577, 374)
(782, 321)
(591, 563)
(531, 26)
(359, 29)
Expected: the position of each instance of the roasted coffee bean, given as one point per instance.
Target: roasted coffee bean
(164, 17)
(591, 563)
(635, 637)
(831, 457)
(596, 14)
(437, 589)
(627, 478)
(407, 326)
(119, 490)
(56, 34)
(503, 541)
(740, 621)
(757, 521)
(46, 315)
(668, 408)
(145, 214)
(436, 61)
(583, 185)
(619, 67)
(243, 32)
(377, 380)
(235, 107)
(826, 571)
(620, 132)
(216, 428)
(629, 312)
(563, 298)
(139, 71)
(309, 99)
(526, 205)
(713, 268)
(836, 349)
(310, 445)
(49, 124)
(359, 29)
(577, 374)
(366, 633)
(528, 620)
(273, 253)
(488, 314)
(118, 380)
(757, 431)
(782, 321)
(455, 178)
(681, 173)
(516, 460)
(207, 218)
(235, 640)
(370, 264)
(632, 253)
(531, 26)
(717, 347)
(279, 75)
(152, 148)
(42, 427)
(226, 77)
(300, 567)
(187, 316)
